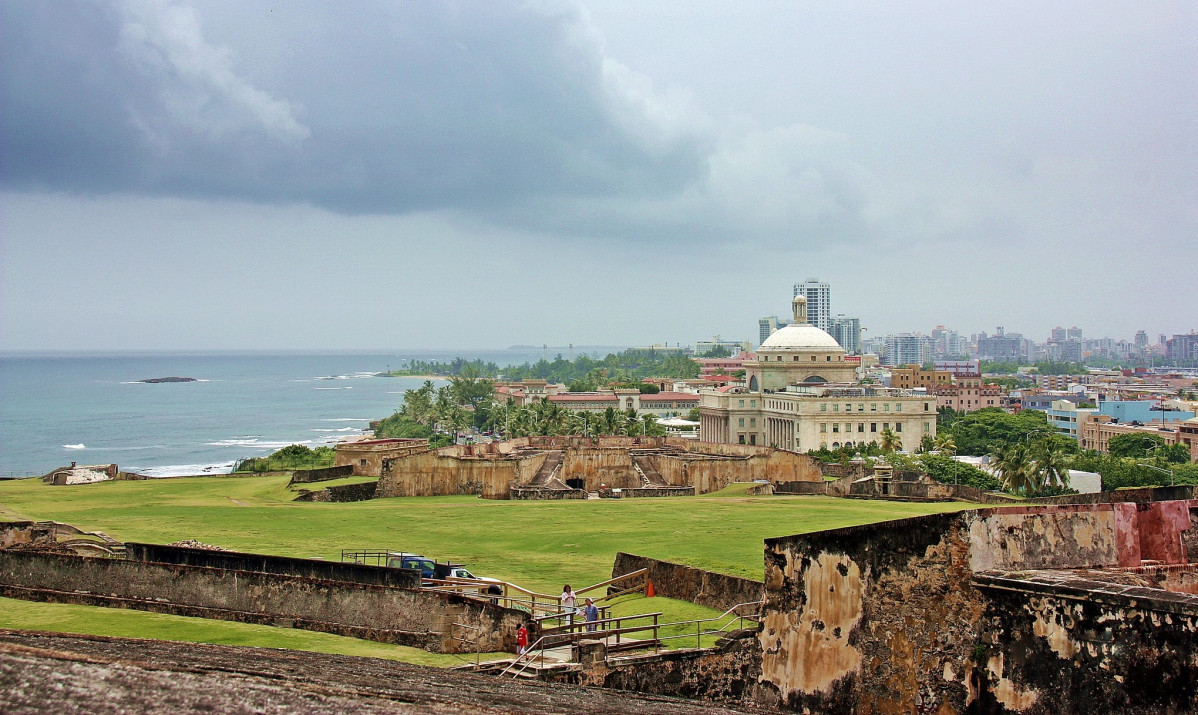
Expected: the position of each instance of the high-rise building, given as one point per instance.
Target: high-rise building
(819, 302)
(907, 349)
(1074, 333)
(768, 325)
(847, 332)
(1141, 339)
(1183, 349)
(1001, 347)
(1058, 334)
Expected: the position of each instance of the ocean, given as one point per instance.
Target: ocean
(91, 409)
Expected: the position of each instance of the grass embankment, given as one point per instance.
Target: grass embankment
(538, 545)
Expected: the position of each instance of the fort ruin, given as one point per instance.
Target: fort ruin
(570, 467)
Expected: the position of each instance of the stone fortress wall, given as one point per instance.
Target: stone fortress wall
(582, 463)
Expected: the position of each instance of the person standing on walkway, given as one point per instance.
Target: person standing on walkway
(522, 639)
(569, 601)
(591, 613)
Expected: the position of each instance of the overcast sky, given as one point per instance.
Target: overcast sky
(292, 175)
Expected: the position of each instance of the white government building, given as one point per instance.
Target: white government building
(802, 394)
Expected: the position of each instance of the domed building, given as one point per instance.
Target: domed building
(802, 393)
(798, 354)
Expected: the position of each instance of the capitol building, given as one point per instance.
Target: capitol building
(802, 393)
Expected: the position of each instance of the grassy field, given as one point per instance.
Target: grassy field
(538, 545)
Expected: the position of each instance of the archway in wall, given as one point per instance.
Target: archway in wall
(813, 379)
(753, 384)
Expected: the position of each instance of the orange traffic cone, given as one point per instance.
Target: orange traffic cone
(649, 592)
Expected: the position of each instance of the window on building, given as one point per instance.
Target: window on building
(823, 407)
(925, 407)
(796, 358)
(861, 407)
(742, 403)
(836, 407)
(835, 426)
(752, 421)
(742, 422)
(812, 358)
(753, 439)
(742, 438)
(823, 427)
(873, 426)
(873, 407)
(927, 426)
(898, 407)
(860, 426)
(886, 407)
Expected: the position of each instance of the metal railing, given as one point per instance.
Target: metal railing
(615, 627)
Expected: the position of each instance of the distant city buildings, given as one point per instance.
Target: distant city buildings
(844, 329)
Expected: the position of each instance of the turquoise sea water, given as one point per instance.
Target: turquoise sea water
(91, 409)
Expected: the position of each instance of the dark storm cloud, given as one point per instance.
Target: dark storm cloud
(359, 108)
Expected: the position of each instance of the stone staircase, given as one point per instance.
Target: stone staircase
(649, 475)
(548, 470)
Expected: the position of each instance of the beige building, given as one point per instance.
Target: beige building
(1096, 433)
(802, 395)
(967, 393)
(806, 417)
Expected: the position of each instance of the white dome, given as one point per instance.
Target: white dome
(801, 337)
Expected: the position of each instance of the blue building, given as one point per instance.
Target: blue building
(1143, 411)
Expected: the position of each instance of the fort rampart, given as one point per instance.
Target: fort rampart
(384, 613)
(686, 583)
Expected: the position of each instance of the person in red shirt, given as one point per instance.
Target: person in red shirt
(522, 638)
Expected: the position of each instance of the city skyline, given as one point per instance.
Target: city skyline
(203, 176)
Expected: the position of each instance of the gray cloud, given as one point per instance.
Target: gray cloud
(365, 108)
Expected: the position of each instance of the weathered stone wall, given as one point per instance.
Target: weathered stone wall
(1060, 644)
(543, 494)
(1140, 496)
(726, 674)
(686, 583)
(342, 493)
(368, 458)
(599, 465)
(16, 533)
(819, 488)
(432, 473)
(263, 563)
(384, 613)
(761, 463)
(886, 617)
(306, 476)
(657, 492)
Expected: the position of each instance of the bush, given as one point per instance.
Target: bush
(289, 458)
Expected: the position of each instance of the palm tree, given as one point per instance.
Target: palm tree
(1014, 464)
(945, 444)
(890, 441)
(1049, 465)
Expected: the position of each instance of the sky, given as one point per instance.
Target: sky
(233, 174)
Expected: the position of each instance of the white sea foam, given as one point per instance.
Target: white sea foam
(255, 443)
(74, 446)
(345, 419)
(337, 429)
(186, 470)
(333, 388)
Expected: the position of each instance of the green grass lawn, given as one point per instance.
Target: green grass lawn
(89, 620)
(537, 544)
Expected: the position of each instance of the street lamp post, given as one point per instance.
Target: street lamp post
(1172, 481)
